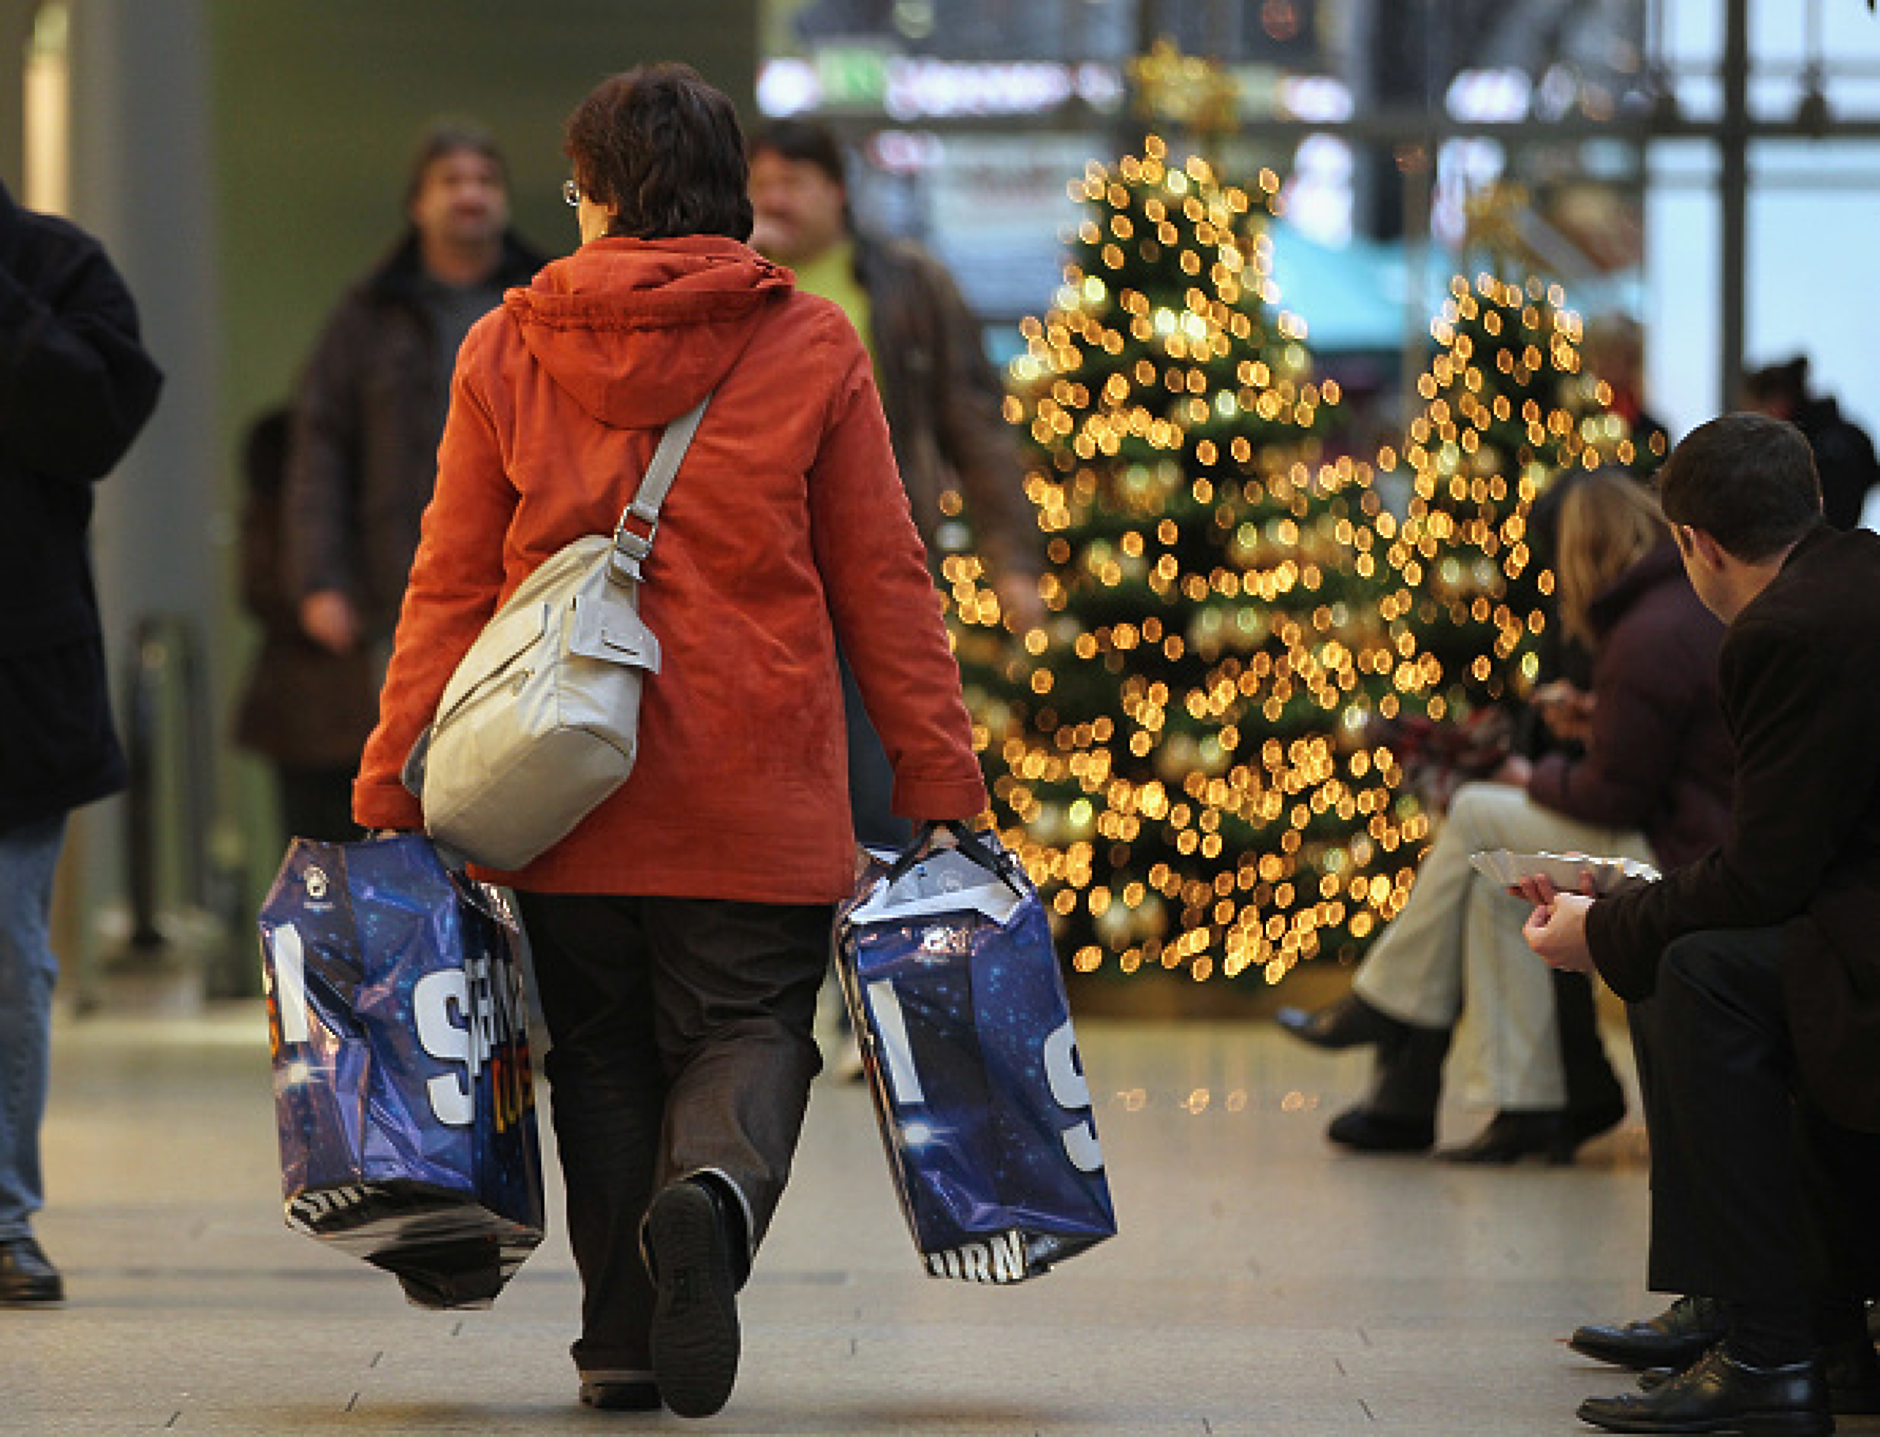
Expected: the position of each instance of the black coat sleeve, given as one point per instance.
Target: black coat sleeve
(1799, 719)
(76, 385)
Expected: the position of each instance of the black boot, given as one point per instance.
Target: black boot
(1400, 1114)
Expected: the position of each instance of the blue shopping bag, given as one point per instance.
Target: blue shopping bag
(402, 1086)
(946, 960)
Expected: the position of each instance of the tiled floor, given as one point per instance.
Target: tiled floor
(1262, 1282)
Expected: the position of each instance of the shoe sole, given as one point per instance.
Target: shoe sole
(1767, 1424)
(695, 1322)
(52, 1299)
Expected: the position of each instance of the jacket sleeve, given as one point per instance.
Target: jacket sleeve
(1645, 690)
(321, 495)
(456, 583)
(886, 613)
(1797, 717)
(975, 440)
(76, 385)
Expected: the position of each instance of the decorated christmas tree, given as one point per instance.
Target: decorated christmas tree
(1180, 754)
(1508, 408)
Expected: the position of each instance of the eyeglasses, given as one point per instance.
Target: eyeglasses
(571, 192)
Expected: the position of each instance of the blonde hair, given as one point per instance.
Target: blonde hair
(1608, 522)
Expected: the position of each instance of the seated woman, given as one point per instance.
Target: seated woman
(1652, 784)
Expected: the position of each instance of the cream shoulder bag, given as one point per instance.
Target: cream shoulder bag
(540, 721)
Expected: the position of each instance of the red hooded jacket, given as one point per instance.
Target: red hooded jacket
(786, 527)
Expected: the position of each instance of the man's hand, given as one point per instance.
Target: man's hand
(1557, 931)
(328, 617)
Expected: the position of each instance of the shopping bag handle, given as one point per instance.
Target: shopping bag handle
(999, 865)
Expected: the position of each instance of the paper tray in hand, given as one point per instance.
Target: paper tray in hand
(1564, 870)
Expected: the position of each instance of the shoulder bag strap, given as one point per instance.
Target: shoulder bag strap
(631, 549)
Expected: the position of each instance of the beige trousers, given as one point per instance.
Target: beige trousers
(1459, 936)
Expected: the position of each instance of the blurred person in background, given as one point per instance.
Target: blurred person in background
(305, 708)
(76, 387)
(362, 450)
(1614, 354)
(943, 398)
(1844, 454)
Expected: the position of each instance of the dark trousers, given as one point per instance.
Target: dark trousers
(1741, 1164)
(317, 802)
(871, 776)
(680, 1044)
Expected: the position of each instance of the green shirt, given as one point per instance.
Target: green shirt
(831, 276)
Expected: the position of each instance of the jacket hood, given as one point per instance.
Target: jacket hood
(638, 331)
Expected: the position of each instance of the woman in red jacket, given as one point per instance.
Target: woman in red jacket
(681, 931)
(1653, 785)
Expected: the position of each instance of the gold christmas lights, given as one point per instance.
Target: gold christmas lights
(1180, 754)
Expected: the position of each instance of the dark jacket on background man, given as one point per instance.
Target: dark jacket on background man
(1659, 759)
(944, 405)
(1803, 851)
(363, 453)
(1844, 459)
(76, 387)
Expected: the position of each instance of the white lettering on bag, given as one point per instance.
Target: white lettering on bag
(897, 1052)
(1071, 1091)
(290, 983)
(999, 1259)
(461, 1015)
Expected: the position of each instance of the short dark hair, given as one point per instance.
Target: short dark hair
(803, 140)
(1747, 480)
(448, 137)
(663, 149)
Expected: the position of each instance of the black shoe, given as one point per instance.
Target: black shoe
(27, 1276)
(1675, 1338)
(1513, 1134)
(1719, 1394)
(620, 1391)
(695, 1319)
(1851, 1369)
(1369, 1132)
(1349, 1023)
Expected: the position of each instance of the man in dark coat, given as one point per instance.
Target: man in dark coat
(75, 388)
(1757, 966)
(362, 452)
(1844, 455)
